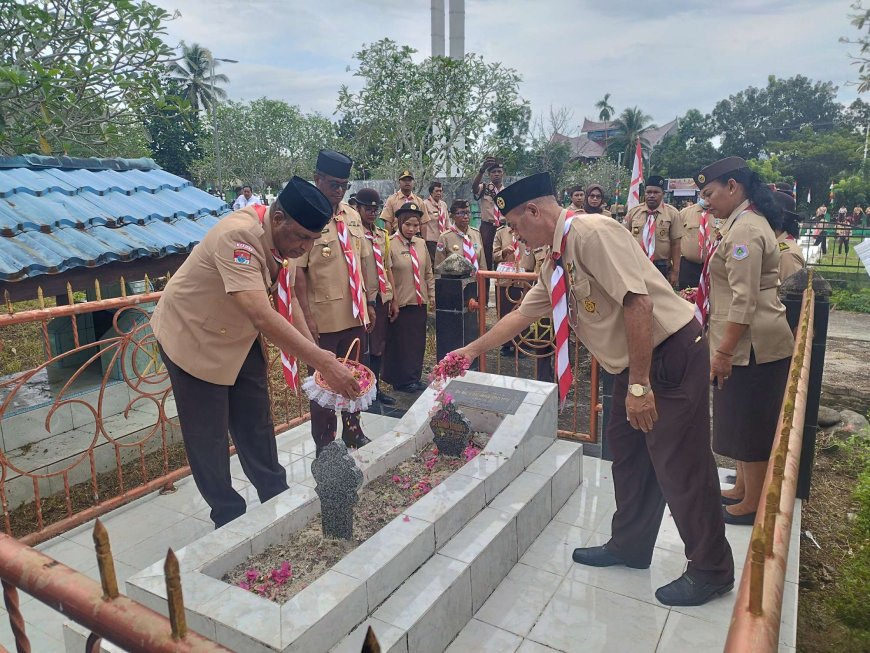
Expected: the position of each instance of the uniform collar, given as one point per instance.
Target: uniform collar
(560, 229)
(658, 209)
(726, 226)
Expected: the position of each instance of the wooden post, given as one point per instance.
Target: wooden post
(104, 561)
(174, 596)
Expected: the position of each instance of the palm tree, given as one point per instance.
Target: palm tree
(194, 72)
(632, 124)
(605, 113)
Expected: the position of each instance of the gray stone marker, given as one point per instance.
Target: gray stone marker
(452, 430)
(338, 483)
(504, 401)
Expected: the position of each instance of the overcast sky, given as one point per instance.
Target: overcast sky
(665, 57)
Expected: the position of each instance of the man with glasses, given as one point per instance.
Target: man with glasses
(461, 238)
(331, 289)
(398, 199)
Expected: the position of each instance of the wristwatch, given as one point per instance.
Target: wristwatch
(638, 390)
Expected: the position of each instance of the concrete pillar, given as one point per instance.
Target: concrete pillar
(439, 37)
(455, 325)
(457, 29)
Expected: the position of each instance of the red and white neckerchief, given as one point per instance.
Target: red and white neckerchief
(285, 307)
(353, 272)
(559, 299)
(442, 219)
(415, 267)
(649, 235)
(379, 262)
(467, 248)
(515, 244)
(704, 234)
(702, 294)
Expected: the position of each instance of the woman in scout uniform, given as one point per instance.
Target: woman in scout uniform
(461, 238)
(791, 258)
(507, 250)
(750, 341)
(413, 292)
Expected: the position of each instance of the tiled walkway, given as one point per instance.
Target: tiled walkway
(547, 603)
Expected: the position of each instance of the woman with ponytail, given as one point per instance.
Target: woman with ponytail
(750, 340)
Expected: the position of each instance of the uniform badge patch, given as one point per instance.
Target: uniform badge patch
(740, 252)
(783, 247)
(589, 305)
(241, 256)
(244, 246)
(440, 246)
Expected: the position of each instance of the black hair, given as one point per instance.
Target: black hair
(434, 185)
(574, 189)
(248, 186)
(758, 193)
(784, 187)
(791, 224)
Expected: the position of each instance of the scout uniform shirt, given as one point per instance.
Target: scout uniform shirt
(502, 249)
(450, 242)
(486, 202)
(394, 203)
(370, 268)
(744, 276)
(403, 271)
(691, 221)
(669, 227)
(329, 296)
(200, 327)
(602, 265)
(791, 258)
(429, 228)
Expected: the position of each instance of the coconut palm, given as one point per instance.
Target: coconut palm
(194, 72)
(605, 113)
(631, 125)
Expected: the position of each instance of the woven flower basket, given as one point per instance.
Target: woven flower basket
(319, 391)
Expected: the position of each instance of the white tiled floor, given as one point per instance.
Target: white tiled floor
(144, 530)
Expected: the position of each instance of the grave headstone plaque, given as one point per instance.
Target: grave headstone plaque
(338, 482)
(504, 401)
(452, 430)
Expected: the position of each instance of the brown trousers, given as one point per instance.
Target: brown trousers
(324, 424)
(671, 464)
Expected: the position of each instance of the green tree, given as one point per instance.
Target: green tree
(861, 20)
(605, 113)
(175, 132)
(435, 117)
(856, 117)
(688, 150)
(752, 118)
(632, 125)
(193, 72)
(603, 171)
(768, 169)
(75, 75)
(852, 191)
(263, 143)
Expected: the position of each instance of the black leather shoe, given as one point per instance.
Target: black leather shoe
(420, 386)
(411, 387)
(599, 556)
(688, 591)
(355, 443)
(386, 400)
(728, 501)
(738, 520)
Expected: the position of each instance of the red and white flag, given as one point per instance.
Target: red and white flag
(636, 179)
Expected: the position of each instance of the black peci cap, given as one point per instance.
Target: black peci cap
(303, 202)
(716, 170)
(657, 181)
(368, 197)
(335, 164)
(519, 192)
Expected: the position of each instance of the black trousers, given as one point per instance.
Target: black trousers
(487, 235)
(671, 464)
(207, 412)
(324, 423)
(663, 267)
(690, 274)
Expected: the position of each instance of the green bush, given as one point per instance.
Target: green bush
(848, 299)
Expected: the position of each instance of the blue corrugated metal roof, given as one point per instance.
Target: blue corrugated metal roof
(58, 213)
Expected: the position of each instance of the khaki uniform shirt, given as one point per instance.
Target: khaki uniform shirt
(429, 229)
(403, 271)
(603, 265)
(370, 267)
(669, 226)
(503, 250)
(485, 194)
(691, 220)
(744, 276)
(791, 258)
(329, 296)
(394, 203)
(450, 242)
(200, 327)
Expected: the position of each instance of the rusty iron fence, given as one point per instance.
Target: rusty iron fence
(107, 432)
(755, 622)
(532, 355)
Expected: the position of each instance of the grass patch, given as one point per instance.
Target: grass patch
(852, 299)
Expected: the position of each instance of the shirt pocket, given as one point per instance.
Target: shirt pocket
(229, 324)
(586, 303)
(663, 230)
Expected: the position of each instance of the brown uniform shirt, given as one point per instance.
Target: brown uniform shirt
(691, 219)
(485, 194)
(791, 258)
(370, 267)
(603, 265)
(200, 327)
(329, 296)
(503, 251)
(450, 242)
(403, 271)
(429, 229)
(744, 276)
(394, 203)
(669, 227)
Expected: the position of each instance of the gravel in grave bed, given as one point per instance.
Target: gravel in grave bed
(283, 570)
